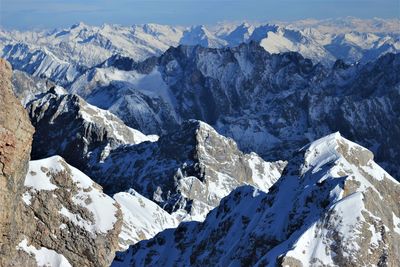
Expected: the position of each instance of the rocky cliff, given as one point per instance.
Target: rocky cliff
(15, 146)
(67, 220)
(81, 133)
(67, 213)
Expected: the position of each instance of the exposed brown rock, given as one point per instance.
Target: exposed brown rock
(47, 227)
(15, 146)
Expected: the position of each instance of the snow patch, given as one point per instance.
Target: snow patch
(44, 256)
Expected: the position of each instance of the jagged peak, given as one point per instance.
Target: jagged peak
(201, 131)
(79, 25)
(331, 148)
(197, 124)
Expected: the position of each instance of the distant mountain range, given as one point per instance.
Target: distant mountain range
(62, 55)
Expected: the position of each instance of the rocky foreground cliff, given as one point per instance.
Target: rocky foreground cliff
(15, 147)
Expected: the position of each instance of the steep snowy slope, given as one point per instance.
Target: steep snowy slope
(142, 218)
(68, 216)
(284, 40)
(334, 207)
(81, 133)
(41, 62)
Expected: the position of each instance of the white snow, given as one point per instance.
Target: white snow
(376, 237)
(396, 223)
(44, 257)
(309, 247)
(264, 174)
(143, 218)
(26, 197)
(36, 177)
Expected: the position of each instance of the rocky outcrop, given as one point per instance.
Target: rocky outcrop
(186, 172)
(81, 133)
(334, 207)
(15, 147)
(67, 220)
(67, 213)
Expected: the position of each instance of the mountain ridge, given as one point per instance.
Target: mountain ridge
(318, 216)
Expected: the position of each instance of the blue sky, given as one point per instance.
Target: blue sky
(30, 14)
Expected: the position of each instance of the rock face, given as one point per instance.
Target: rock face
(15, 146)
(268, 103)
(81, 133)
(68, 221)
(67, 213)
(188, 171)
(334, 207)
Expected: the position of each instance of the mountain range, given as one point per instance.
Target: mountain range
(221, 145)
(268, 103)
(63, 54)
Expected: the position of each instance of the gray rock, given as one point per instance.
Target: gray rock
(82, 134)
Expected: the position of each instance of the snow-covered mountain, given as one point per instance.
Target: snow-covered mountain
(334, 207)
(63, 54)
(268, 103)
(193, 134)
(65, 204)
(348, 24)
(142, 218)
(186, 171)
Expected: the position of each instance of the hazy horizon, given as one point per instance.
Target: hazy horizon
(233, 22)
(46, 14)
